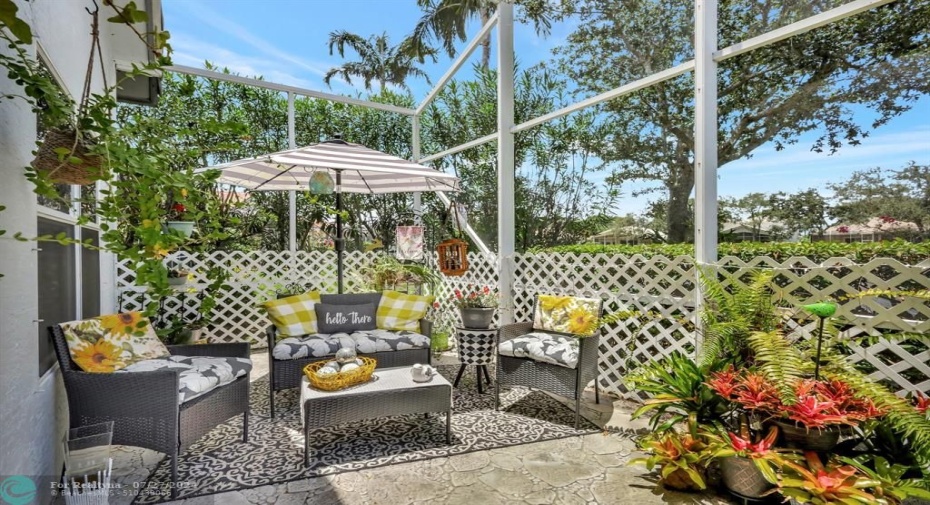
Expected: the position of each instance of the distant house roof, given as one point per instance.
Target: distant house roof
(626, 233)
(873, 225)
(765, 227)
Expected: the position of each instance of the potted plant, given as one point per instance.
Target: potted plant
(681, 459)
(812, 418)
(747, 467)
(177, 276)
(442, 329)
(180, 219)
(73, 146)
(477, 305)
(812, 482)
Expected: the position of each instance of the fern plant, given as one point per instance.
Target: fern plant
(731, 316)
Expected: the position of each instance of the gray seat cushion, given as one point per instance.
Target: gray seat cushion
(198, 375)
(367, 342)
(543, 347)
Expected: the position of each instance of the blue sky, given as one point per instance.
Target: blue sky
(285, 41)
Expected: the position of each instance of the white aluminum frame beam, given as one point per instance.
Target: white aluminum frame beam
(626, 89)
(798, 27)
(248, 81)
(462, 147)
(292, 194)
(506, 214)
(468, 229)
(457, 64)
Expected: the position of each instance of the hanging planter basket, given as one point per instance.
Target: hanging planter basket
(186, 228)
(78, 167)
(453, 257)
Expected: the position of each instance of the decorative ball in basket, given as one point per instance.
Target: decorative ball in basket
(341, 372)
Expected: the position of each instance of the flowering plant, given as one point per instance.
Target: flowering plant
(816, 403)
(179, 212)
(476, 297)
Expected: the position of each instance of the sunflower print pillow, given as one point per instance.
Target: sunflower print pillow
(109, 343)
(566, 314)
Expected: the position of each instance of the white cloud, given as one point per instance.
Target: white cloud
(192, 52)
(244, 34)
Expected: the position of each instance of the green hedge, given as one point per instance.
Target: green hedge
(903, 251)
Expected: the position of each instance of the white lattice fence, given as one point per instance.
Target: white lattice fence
(650, 285)
(903, 365)
(255, 277)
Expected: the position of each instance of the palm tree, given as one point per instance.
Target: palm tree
(444, 21)
(378, 60)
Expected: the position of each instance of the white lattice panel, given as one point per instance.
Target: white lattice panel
(651, 285)
(902, 365)
(661, 285)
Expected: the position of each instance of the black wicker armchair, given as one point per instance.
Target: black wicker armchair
(527, 372)
(286, 373)
(144, 406)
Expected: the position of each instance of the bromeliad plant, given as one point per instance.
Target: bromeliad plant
(681, 458)
(812, 482)
(678, 392)
(813, 404)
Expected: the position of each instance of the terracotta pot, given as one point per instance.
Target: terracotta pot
(741, 476)
(812, 439)
(478, 318)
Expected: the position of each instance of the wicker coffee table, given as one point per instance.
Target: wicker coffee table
(393, 394)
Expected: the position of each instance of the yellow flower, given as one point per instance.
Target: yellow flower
(581, 322)
(100, 357)
(184, 192)
(121, 324)
(550, 303)
(159, 251)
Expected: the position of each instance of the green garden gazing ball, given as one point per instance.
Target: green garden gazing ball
(321, 183)
(822, 309)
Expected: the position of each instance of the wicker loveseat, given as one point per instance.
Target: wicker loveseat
(145, 406)
(285, 371)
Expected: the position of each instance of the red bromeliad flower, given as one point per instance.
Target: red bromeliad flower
(763, 446)
(725, 383)
(757, 393)
(923, 402)
(814, 413)
(179, 208)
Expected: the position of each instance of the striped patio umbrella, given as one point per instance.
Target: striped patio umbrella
(355, 169)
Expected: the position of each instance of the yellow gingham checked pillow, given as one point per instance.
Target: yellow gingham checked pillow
(295, 315)
(398, 311)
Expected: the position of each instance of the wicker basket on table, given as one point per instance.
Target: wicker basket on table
(340, 380)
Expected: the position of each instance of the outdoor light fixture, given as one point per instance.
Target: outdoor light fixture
(321, 183)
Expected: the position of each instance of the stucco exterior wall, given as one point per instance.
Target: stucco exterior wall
(33, 409)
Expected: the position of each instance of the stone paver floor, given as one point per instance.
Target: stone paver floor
(585, 470)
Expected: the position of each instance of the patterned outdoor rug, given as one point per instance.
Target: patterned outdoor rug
(221, 462)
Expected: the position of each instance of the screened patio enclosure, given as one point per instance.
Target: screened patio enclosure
(665, 285)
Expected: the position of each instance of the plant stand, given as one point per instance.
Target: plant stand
(476, 347)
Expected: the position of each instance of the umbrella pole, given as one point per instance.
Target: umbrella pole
(340, 244)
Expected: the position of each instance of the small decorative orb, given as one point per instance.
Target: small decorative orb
(326, 371)
(332, 364)
(346, 355)
(359, 362)
(321, 183)
(348, 367)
